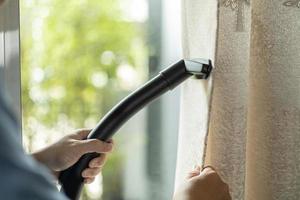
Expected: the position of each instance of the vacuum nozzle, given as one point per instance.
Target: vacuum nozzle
(201, 68)
(178, 72)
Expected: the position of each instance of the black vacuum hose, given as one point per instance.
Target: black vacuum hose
(71, 179)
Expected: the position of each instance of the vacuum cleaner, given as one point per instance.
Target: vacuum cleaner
(70, 179)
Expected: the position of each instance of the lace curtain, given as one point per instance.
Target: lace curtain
(245, 120)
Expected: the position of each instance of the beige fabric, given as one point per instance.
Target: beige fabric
(273, 140)
(195, 93)
(254, 124)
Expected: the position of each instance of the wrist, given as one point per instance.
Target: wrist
(41, 157)
(38, 156)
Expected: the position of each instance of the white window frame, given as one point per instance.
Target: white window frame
(10, 76)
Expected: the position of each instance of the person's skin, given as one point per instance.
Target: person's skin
(67, 151)
(203, 185)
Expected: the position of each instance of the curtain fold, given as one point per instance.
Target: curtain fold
(253, 136)
(198, 33)
(273, 139)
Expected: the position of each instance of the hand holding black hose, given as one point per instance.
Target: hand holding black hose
(169, 78)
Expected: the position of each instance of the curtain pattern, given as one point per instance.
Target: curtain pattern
(254, 121)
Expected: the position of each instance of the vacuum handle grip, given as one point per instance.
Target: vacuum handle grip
(71, 178)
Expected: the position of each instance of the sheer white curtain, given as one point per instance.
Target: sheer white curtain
(245, 120)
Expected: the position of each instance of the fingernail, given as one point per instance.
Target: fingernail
(208, 167)
(110, 141)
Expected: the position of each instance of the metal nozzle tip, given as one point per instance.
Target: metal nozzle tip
(201, 68)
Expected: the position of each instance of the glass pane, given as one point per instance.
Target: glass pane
(80, 57)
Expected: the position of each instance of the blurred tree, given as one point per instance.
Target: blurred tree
(71, 53)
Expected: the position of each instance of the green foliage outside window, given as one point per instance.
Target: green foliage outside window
(73, 56)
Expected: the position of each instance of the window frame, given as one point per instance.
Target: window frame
(10, 76)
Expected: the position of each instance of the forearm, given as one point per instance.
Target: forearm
(40, 157)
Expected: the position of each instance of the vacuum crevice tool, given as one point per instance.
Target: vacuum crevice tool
(70, 179)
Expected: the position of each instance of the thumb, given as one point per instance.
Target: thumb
(94, 145)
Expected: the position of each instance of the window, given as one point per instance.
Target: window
(78, 59)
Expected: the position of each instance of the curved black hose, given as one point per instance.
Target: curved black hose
(71, 179)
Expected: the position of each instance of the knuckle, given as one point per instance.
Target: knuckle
(87, 173)
(93, 164)
(103, 146)
(107, 146)
(97, 163)
(98, 160)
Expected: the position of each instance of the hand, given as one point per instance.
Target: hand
(205, 185)
(67, 151)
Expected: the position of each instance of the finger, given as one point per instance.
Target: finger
(195, 172)
(82, 133)
(98, 162)
(89, 180)
(208, 169)
(90, 172)
(110, 141)
(95, 145)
